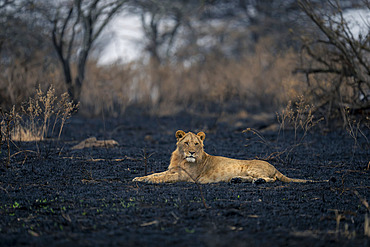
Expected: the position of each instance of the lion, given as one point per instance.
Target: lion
(190, 163)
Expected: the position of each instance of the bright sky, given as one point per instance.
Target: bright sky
(121, 41)
(359, 21)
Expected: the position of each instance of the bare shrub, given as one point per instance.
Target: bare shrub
(335, 60)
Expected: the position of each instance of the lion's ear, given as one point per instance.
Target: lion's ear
(201, 135)
(180, 134)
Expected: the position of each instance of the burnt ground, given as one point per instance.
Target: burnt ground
(55, 196)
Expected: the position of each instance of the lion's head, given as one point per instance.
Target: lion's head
(190, 145)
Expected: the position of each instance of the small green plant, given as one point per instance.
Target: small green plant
(16, 205)
(41, 201)
(191, 231)
(130, 203)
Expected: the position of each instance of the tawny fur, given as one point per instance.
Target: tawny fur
(190, 163)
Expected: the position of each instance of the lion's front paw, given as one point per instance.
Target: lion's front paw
(139, 179)
(146, 179)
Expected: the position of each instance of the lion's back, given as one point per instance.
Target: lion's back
(223, 169)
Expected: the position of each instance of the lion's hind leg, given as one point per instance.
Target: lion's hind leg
(266, 180)
(250, 179)
(242, 179)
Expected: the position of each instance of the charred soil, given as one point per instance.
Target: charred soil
(52, 195)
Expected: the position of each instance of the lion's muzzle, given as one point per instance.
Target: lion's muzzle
(190, 159)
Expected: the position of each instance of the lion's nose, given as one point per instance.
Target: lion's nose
(191, 153)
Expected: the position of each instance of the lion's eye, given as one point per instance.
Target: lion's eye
(187, 143)
(196, 143)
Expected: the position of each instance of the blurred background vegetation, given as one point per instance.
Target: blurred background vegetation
(199, 56)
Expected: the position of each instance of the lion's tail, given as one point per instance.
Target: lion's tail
(283, 178)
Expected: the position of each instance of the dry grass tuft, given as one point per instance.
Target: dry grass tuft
(367, 219)
(40, 116)
(367, 226)
(38, 119)
(296, 116)
(8, 122)
(353, 126)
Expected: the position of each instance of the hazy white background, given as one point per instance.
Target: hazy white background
(123, 39)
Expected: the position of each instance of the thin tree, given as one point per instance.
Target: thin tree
(161, 21)
(76, 26)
